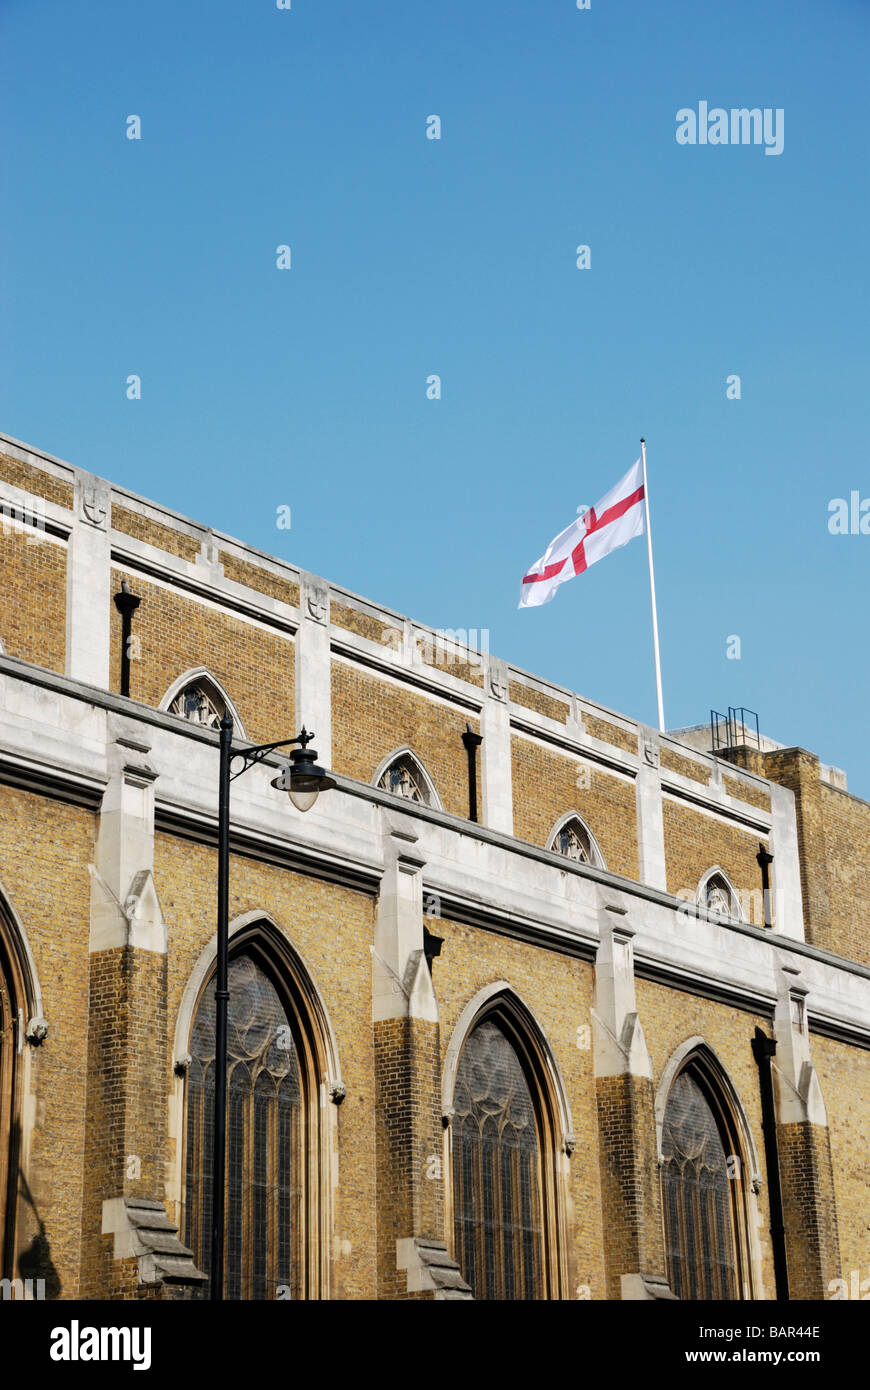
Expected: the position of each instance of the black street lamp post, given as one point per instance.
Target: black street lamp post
(303, 780)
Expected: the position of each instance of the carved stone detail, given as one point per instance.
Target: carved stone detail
(209, 553)
(37, 1031)
(95, 505)
(316, 599)
(650, 752)
(143, 1230)
(498, 680)
(198, 703)
(431, 1269)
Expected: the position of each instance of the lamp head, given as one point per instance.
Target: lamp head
(303, 780)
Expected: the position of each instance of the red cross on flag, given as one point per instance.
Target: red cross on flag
(611, 523)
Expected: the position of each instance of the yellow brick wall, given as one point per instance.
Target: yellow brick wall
(35, 481)
(844, 1076)
(806, 1178)
(45, 849)
(314, 916)
(470, 959)
(154, 533)
(371, 717)
(545, 788)
(610, 733)
(255, 667)
(686, 767)
(529, 698)
(354, 620)
(438, 653)
(695, 842)
(798, 770)
(670, 1017)
(126, 1104)
(847, 852)
(33, 598)
(255, 577)
(745, 791)
(408, 1129)
(428, 651)
(631, 1191)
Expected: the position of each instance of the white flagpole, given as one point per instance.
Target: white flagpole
(652, 592)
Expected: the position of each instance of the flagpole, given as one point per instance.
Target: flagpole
(652, 593)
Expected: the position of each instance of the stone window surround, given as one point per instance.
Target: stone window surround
(697, 1052)
(597, 859)
(736, 910)
(319, 1057)
(434, 800)
(501, 1002)
(201, 675)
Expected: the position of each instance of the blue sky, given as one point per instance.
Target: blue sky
(307, 387)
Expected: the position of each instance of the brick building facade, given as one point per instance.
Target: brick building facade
(510, 1017)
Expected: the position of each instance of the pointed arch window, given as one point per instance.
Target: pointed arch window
(718, 897)
(16, 998)
(498, 1198)
(200, 697)
(9, 1005)
(572, 839)
(404, 776)
(199, 702)
(269, 1119)
(703, 1196)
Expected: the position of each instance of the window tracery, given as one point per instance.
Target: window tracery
(199, 703)
(700, 1191)
(498, 1206)
(265, 1138)
(574, 842)
(404, 777)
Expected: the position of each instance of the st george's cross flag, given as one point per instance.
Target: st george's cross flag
(611, 523)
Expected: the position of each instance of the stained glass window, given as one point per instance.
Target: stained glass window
(496, 1171)
(697, 1194)
(199, 703)
(264, 1138)
(404, 778)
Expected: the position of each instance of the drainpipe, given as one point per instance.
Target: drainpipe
(126, 604)
(764, 859)
(763, 1049)
(472, 742)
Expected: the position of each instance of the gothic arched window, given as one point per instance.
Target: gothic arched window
(405, 777)
(497, 1190)
(199, 702)
(266, 1136)
(8, 1030)
(573, 840)
(13, 1004)
(718, 896)
(702, 1192)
